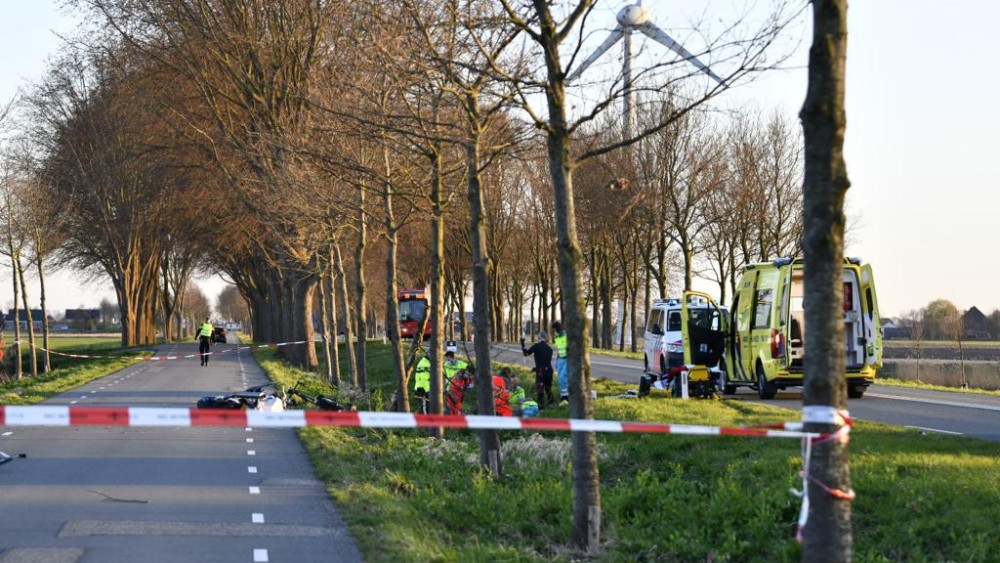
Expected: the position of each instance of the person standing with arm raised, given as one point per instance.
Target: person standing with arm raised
(542, 353)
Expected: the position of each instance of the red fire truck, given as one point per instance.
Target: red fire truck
(414, 307)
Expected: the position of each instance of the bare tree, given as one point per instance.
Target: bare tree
(539, 23)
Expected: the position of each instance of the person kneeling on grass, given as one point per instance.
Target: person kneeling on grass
(501, 397)
(514, 390)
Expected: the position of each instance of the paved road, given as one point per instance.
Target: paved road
(100, 495)
(932, 411)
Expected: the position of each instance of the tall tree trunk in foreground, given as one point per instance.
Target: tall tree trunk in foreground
(827, 534)
(436, 313)
(489, 441)
(586, 479)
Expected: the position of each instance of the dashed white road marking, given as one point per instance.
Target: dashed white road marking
(254, 490)
(257, 518)
(251, 452)
(252, 469)
(249, 429)
(73, 402)
(7, 433)
(260, 556)
(249, 440)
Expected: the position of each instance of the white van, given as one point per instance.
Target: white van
(663, 341)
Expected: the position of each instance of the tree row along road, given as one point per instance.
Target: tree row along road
(931, 411)
(229, 494)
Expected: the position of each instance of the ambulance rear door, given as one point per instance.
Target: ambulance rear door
(872, 320)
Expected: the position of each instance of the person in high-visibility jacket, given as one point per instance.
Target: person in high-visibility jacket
(452, 365)
(562, 348)
(501, 397)
(205, 340)
(422, 383)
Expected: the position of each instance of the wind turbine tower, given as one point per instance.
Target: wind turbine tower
(635, 17)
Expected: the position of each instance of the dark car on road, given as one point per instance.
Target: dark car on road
(219, 335)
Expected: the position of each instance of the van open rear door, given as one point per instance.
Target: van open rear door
(703, 329)
(872, 320)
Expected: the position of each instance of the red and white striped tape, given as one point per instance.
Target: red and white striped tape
(48, 415)
(164, 358)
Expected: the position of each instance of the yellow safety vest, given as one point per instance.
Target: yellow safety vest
(422, 375)
(451, 369)
(206, 329)
(561, 345)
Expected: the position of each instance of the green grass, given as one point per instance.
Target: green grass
(67, 373)
(921, 385)
(618, 354)
(409, 497)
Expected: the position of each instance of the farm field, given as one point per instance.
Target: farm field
(977, 350)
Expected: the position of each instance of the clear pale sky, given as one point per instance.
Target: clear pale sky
(923, 119)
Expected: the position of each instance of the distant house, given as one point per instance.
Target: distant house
(83, 319)
(977, 325)
(894, 331)
(37, 316)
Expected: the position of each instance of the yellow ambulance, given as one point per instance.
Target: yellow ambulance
(763, 343)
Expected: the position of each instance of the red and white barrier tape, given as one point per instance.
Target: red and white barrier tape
(823, 415)
(48, 415)
(172, 357)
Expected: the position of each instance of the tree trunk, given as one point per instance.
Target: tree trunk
(586, 482)
(399, 367)
(361, 308)
(33, 353)
(331, 291)
(437, 290)
(18, 366)
(324, 307)
(352, 366)
(827, 535)
(489, 440)
(46, 358)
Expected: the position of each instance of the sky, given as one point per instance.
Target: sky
(922, 120)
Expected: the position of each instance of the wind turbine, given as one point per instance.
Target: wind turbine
(635, 17)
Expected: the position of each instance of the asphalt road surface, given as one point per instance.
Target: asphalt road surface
(118, 494)
(930, 411)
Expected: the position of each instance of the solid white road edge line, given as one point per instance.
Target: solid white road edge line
(934, 402)
(934, 430)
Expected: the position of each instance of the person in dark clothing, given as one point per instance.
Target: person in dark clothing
(542, 353)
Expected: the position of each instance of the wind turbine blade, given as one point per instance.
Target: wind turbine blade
(616, 35)
(660, 36)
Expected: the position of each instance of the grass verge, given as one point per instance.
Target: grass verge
(408, 497)
(67, 373)
(921, 385)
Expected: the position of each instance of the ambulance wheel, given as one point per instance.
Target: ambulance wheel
(727, 388)
(765, 389)
(855, 391)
